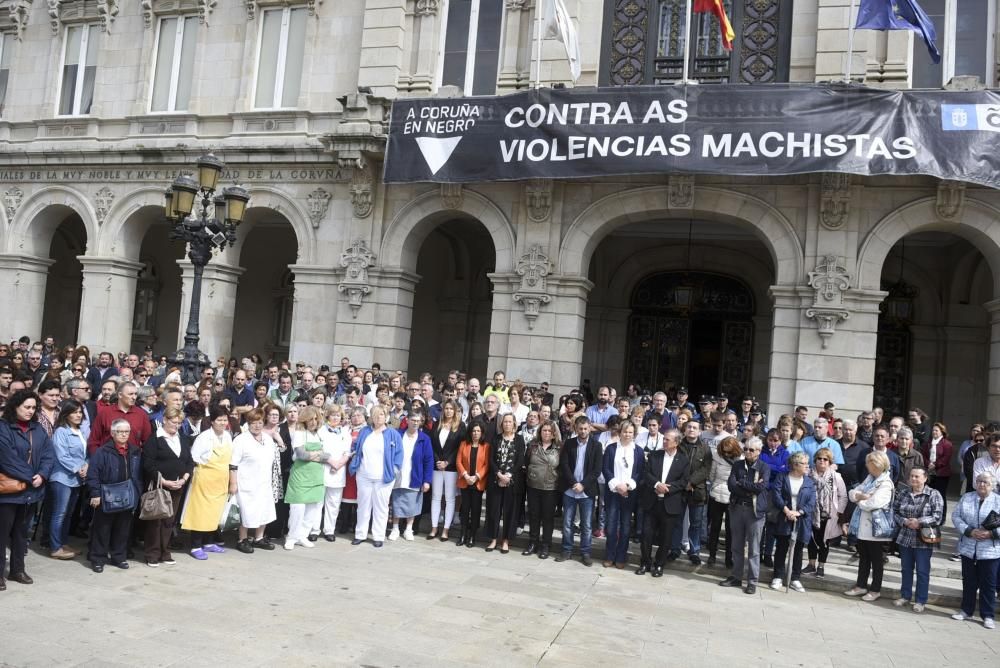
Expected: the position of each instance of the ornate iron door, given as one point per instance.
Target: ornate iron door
(737, 350)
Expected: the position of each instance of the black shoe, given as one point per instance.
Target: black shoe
(730, 582)
(544, 553)
(809, 570)
(563, 556)
(657, 571)
(531, 549)
(377, 543)
(245, 546)
(586, 560)
(97, 568)
(329, 537)
(357, 541)
(672, 555)
(263, 544)
(461, 540)
(767, 561)
(122, 565)
(711, 561)
(21, 577)
(695, 559)
(430, 537)
(819, 572)
(750, 589)
(3, 584)
(490, 549)
(313, 537)
(642, 570)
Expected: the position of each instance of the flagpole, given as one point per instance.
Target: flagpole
(687, 41)
(850, 43)
(538, 40)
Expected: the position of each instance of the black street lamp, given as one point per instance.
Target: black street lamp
(202, 235)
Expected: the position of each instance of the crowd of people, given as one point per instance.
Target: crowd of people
(118, 450)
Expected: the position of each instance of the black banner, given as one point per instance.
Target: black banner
(739, 130)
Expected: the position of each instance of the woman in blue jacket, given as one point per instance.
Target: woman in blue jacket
(795, 496)
(114, 462)
(68, 474)
(377, 460)
(25, 457)
(414, 478)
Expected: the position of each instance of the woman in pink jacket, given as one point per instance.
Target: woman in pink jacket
(831, 500)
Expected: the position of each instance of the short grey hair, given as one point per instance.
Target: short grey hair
(145, 392)
(905, 432)
(820, 420)
(122, 385)
(850, 424)
(119, 423)
(986, 475)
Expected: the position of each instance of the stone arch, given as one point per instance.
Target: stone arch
(266, 197)
(39, 216)
(648, 203)
(410, 226)
(979, 224)
(123, 231)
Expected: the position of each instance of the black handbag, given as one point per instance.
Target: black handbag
(117, 497)
(992, 521)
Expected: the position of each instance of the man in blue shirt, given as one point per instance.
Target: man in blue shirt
(240, 394)
(819, 439)
(600, 412)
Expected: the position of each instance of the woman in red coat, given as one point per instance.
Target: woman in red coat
(937, 455)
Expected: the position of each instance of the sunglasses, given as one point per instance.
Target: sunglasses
(822, 459)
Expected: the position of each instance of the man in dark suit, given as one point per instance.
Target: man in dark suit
(748, 482)
(101, 371)
(664, 482)
(580, 466)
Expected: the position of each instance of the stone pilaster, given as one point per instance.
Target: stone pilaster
(218, 306)
(832, 25)
(107, 302)
(313, 330)
(511, 76)
(993, 382)
(382, 40)
(23, 302)
(379, 330)
(426, 44)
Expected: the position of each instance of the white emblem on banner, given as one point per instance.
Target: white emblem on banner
(436, 151)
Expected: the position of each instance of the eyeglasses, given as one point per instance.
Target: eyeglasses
(121, 431)
(979, 440)
(822, 459)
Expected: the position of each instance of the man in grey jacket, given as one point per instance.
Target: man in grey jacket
(748, 502)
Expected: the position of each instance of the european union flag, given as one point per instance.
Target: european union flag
(899, 15)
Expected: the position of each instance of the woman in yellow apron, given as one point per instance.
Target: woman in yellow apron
(212, 452)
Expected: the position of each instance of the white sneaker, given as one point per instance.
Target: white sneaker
(776, 583)
(856, 591)
(289, 545)
(918, 608)
(900, 602)
(960, 616)
(797, 586)
(305, 543)
(394, 534)
(408, 534)
(988, 623)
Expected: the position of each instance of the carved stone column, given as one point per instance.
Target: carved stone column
(426, 40)
(218, 306)
(830, 279)
(511, 76)
(107, 302)
(25, 277)
(313, 330)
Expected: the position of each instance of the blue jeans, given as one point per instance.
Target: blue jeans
(602, 506)
(696, 520)
(619, 519)
(979, 574)
(570, 505)
(921, 558)
(61, 501)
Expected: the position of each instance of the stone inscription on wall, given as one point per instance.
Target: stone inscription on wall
(165, 174)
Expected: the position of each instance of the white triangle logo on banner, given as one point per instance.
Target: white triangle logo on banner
(437, 151)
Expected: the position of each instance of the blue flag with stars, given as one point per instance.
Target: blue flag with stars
(899, 15)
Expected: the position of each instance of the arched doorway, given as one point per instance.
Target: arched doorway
(453, 301)
(157, 310)
(692, 329)
(64, 287)
(262, 317)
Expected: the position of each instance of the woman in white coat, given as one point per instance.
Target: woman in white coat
(873, 497)
(336, 443)
(250, 477)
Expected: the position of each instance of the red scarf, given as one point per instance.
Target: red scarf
(23, 426)
(122, 449)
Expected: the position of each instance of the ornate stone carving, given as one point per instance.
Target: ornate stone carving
(427, 7)
(829, 280)
(362, 195)
(12, 201)
(105, 11)
(515, 5)
(319, 202)
(680, 191)
(103, 199)
(533, 267)
(950, 200)
(147, 12)
(629, 25)
(356, 260)
(54, 16)
(311, 6)
(251, 9)
(19, 12)
(451, 195)
(538, 199)
(205, 8)
(835, 199)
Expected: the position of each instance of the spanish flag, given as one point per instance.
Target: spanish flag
(725, 28)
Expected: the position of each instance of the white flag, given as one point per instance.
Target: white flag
(558, 25)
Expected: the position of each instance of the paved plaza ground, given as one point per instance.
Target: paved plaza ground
(431, 603)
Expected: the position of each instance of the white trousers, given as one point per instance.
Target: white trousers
(444, 484)
(301, 519)
(331, 508)
(373, 504)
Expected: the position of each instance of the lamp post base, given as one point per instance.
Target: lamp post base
(192, 362)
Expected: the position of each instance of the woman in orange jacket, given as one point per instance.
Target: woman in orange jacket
(473, 466)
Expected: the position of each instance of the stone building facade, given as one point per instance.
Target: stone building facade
(796, 289)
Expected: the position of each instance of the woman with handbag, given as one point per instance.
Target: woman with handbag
(166, 462)
(26, 461)
(212, 451)
(977, 518)
(873, 524)
(918, 511)
(114, 478)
